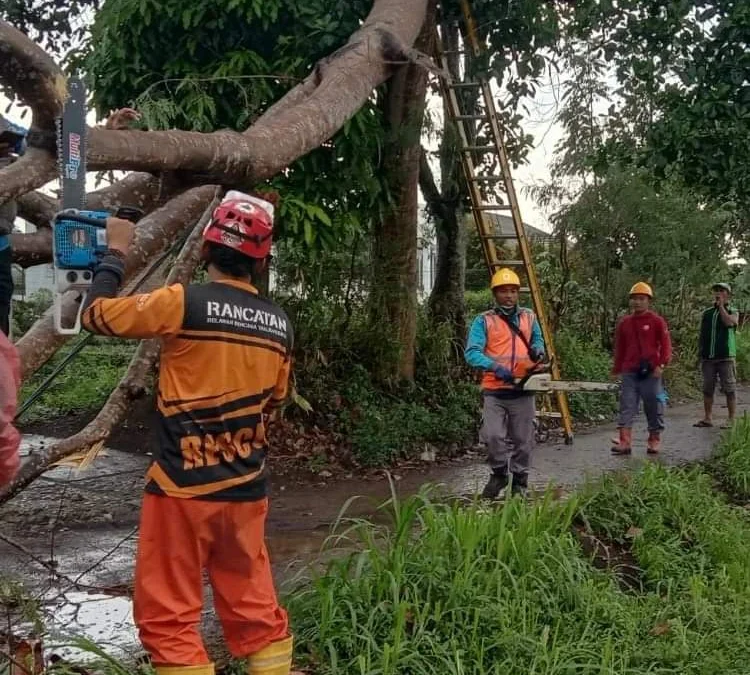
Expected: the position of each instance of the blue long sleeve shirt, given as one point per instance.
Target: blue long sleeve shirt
(477, 342)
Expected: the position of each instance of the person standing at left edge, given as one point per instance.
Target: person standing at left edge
(225, 362)
(505, 343)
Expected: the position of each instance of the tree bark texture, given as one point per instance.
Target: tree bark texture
(32, 75)
(393, 295)
(445, 204)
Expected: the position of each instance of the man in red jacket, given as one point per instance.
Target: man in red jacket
(642, 349)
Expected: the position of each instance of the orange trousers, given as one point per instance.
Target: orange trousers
(178, 539)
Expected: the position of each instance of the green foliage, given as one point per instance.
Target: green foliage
(731, 462)
(462, 588)
(684, 530)
(680, 101)
(382, 425)
(623, 230)
(18, 605)
(743, 355)
(26, 312)
(228, 63)
(478, 302)
(84, 385)
(582, 359)
(382, 428)
(57, 25)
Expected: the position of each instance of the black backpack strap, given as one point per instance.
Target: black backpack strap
(516, 330)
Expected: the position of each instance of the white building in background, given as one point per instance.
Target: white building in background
(34, 278)
(427, 256)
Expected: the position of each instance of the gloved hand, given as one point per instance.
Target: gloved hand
(503, 374)
(536, 355)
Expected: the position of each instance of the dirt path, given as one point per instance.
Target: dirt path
(86, 521)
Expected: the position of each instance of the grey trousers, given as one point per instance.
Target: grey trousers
(508, 431)
(632, 392)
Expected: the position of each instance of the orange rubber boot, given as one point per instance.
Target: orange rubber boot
(654, 442)
(622, 446)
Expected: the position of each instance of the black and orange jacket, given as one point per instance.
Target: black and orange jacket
(225, 361)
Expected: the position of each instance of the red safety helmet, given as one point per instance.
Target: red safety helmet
(243, 224)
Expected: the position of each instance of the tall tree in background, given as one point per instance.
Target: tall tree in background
(393, 292)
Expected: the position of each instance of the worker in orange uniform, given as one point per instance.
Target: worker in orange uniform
(505, 343)
(643, 348)
(225, 362)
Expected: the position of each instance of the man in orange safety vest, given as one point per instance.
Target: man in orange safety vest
(505, 343)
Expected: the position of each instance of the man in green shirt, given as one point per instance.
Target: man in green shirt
(717, 349)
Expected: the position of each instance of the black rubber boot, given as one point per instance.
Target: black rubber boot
(498, 480)
(520, 484)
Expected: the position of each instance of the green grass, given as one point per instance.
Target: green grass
(731, 462)
(460, 589)
(83, 385)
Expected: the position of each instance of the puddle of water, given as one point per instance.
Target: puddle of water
(104, 620)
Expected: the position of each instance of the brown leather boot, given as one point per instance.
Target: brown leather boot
(654, 442)
(623, 445)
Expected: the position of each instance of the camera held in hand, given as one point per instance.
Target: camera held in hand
(645, 369)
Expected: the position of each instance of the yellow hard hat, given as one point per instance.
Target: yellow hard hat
(642, 288)
(505, 277)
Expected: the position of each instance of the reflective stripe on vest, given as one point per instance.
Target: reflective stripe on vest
(505, 348)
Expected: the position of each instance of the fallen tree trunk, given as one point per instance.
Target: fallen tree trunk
(132, 386)
(37, 208)
(32, 249)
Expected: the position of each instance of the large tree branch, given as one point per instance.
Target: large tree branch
(32, 75)
(322, 104)
(143, 190)
(30, 172)
(132, 386)
(32, 249)
(37, 208)
(153, 234)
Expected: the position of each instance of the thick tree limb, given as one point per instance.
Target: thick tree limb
(32, 249)
(323, 103)
(32, 75)
(133, 385)
(30, 172)
(154, 234)
(37, 208)
(143, 190)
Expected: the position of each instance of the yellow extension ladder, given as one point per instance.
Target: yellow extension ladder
(467, 127)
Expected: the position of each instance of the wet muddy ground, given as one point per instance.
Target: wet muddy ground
(85, 522)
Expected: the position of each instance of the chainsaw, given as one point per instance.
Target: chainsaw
(539, 379)
(79, 236)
